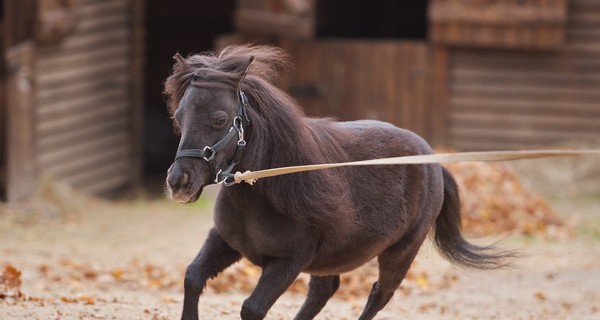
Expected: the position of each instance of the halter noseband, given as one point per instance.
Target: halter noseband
(208, 153)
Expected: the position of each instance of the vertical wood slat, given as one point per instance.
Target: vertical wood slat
(17, 29)
(137, 11)
(439, 102)
(20, 145)
(385, 80)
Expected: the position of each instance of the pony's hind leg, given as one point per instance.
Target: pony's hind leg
(214, 257)
(393, 266)
(320, 289)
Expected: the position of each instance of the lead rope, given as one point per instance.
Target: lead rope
(250, 177)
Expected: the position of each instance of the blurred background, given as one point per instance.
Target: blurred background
(83, 119)
(82, 80)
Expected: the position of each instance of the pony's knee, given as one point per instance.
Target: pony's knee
(193, 280)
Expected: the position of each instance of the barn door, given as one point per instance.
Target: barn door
(18, 102)
(357, 79)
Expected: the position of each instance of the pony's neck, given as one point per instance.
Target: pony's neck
(279, 133)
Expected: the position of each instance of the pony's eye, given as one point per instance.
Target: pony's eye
(219, 118)
(220, 121)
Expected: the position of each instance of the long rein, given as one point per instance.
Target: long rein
(250, 177)
(226, 177)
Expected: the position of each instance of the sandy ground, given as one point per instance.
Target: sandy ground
(125, 260)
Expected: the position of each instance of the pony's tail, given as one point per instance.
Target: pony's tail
(450, 242)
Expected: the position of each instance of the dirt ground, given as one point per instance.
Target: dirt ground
(91, 259)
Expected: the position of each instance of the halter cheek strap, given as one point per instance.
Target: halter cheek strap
(208, 153)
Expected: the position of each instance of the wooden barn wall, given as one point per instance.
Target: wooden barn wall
(508, 99)
(84, 107)
(352, 79)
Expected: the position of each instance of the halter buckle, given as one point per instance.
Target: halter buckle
(211, 154)
(238, 125)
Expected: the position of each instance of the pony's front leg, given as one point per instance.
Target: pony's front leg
(214, 257)
(278, 274)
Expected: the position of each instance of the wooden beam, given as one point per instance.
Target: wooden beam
(137, 88)
(20, 102)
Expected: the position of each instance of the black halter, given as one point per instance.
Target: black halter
(208, 153)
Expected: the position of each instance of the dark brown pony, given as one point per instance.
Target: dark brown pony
(231, 118)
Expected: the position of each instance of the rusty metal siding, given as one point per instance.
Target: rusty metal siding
(507, 99)
(84, 108)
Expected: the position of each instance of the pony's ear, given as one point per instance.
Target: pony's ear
(245, 68)
(178, 57)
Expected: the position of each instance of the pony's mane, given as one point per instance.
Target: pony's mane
(224, 69)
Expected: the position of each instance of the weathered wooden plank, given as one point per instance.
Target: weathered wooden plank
(526, 106)
(72, 59)
(102, 175)
(77, 165)
(89, 70)
(107, 186)
(498, 60)
(510, 120)
(276, 17)
(98, 144)
(119, 19)
(83, 41)
(518, 78)
(519, 136)
(498, 24)
(106, 112)
(81, 134)
(531, 91)
(89, 86)
(260, 22)
(82, 103)
(97, 8)
(498, 12)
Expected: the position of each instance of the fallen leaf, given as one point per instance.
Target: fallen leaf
(10, 282)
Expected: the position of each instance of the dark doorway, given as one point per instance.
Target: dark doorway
(184, 26)
(376, 19)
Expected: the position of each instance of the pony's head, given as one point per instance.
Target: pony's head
(209, 109)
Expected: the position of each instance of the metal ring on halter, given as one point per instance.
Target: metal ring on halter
(211, 156)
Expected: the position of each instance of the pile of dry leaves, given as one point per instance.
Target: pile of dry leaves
(495, 201)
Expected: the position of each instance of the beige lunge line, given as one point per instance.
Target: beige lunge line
(250, 177)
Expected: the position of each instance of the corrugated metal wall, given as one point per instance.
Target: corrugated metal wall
(83, 101)
(509, 99)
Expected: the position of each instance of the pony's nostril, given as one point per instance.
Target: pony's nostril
(173, 179)
(186, 179)
(178, 179)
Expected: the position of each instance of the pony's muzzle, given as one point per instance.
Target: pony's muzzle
(180, 184)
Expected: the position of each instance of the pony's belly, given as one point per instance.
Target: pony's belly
(343, 261)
